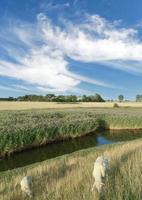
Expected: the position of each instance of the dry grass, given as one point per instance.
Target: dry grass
(70, 177)
(4, 105)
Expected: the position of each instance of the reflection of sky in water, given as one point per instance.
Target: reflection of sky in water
(102, 140)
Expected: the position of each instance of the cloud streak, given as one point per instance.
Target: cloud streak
(37, 52)
(95, 40)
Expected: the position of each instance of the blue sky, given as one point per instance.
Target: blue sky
(71, 47)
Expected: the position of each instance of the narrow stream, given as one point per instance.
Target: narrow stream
(54, 150)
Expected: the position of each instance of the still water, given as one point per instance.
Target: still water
(54, 150)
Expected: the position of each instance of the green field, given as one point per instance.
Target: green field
(24, 129)
(70, 177)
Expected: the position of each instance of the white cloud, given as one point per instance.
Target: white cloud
(43, 61)
(42, 67)
(94, 40)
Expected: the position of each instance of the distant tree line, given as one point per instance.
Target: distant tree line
(57, 98)
(67, 98)
(8, 99)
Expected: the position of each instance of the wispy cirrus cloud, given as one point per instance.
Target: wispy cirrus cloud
(37, 52)
(97, 40)
(94, 40)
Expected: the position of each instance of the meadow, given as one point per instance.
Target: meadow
(22, 105)
(69, 177)
(29, 128)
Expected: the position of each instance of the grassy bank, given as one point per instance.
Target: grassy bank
(70, 177)
(23, 129)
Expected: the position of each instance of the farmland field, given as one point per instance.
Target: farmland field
(5, 105)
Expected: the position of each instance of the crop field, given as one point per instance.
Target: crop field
(5, 105)
(70, 177)
(24, 129)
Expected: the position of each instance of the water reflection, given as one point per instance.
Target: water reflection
(101, 140)
(65, 147)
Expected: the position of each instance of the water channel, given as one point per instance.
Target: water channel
(65, 147)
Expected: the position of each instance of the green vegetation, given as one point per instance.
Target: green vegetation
(24, 129)
(56, 98)
(120, 98)
(138, 98)
(70, 177)
(92, 98)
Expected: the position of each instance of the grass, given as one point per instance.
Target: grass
(70, 177)
(24, 129)
(5, 105)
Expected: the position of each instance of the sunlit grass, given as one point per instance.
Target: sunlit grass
(70, 177)
(5, 105)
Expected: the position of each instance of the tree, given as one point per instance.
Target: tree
(98, 98)
(92, 98)
(11, 98)
(138, 98)
(84, 98)
(50, 97)
(120, 98)
(60, 98)
(71, 98)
